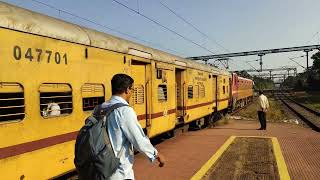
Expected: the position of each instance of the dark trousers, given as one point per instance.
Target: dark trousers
(262, 119)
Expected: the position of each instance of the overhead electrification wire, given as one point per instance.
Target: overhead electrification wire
(314, 35)
(198, 30)
(115, 30)
(242, 65)
(138, 7)
(193, 26)
(251, 65)
(104, 26)
(163, 26)
(292, 59)
(174, 32)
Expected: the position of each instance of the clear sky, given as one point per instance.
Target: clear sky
(237, 25)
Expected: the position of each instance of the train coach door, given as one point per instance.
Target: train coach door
(215, 91)
(180, 94)
(140, 89)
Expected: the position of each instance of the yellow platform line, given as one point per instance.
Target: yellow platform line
(263, 137)
(282, 167)
(205, 168)
(281, 163)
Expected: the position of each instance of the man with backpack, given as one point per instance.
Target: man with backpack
(113, 151)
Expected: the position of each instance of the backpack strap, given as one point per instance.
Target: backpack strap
(109, 110)
(99, 112)
(105, 112)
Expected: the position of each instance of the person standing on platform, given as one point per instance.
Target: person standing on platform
(263, 106)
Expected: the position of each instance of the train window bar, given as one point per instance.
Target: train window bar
(162, 93)
(138, 94)
(196, 91)
(190, 92)
(92, 95)
(55, 99)
(202, 91)
(12, 104)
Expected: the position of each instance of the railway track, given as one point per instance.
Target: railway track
(239, 109)
(309, 116)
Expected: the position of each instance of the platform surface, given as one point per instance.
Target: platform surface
(185, 154)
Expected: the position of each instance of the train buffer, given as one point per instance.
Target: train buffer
(238, 151)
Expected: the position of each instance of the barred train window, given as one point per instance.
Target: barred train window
(196, 91)
(11, 102)
(55, 99)
(138, 94)
(92, 95)
(162, 93)
(202, 91)
(190, 92)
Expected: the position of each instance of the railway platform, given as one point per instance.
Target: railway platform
(188, 153)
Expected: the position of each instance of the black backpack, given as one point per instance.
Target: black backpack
(94, 156)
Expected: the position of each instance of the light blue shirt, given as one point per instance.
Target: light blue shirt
(125, 131)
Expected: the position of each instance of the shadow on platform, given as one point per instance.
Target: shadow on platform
(235, 128)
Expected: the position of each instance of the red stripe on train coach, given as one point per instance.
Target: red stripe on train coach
(51, 141)
(35, 145)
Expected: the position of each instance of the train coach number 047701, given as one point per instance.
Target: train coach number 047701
(39, 54)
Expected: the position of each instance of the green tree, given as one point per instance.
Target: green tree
(290, 81)
(316, 61)
(314, 73)
(261, 83)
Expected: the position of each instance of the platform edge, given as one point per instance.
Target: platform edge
(282, 167)
(205, 168)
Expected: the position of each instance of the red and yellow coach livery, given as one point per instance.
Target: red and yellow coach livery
(53, 73)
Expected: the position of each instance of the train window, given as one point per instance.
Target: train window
(11, 102)
(190, 92)
(224, 89)
(55, 99)
(92, 95)
(138, 94)
(201, 91)
(162, 93)
(196, 91)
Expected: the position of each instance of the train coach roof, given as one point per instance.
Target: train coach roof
(13, 17)
(245, 79)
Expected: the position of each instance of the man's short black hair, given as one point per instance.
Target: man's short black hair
(120, 83)
(260, 92)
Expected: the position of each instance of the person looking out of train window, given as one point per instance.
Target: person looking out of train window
(263, 106)
(125, 131)
(53, 109)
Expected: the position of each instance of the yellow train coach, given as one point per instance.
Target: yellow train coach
(53, 73)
